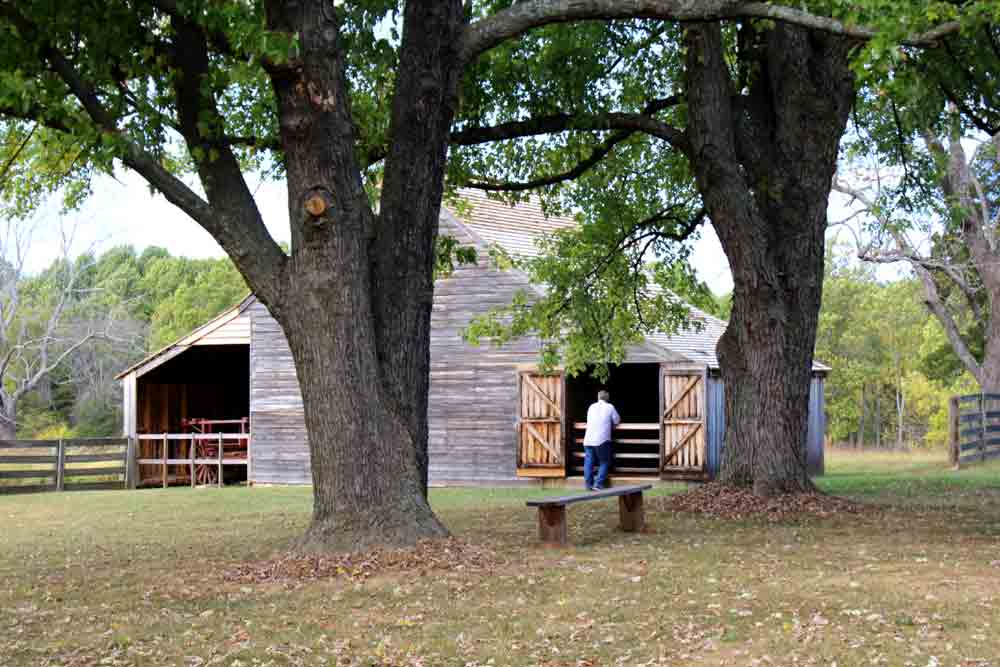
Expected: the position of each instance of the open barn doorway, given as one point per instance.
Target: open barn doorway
(195, 405)
(634, 390)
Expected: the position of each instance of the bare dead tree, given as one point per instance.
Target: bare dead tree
(961, 286)
(38, 331)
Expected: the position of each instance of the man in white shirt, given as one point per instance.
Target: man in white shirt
(601, 419)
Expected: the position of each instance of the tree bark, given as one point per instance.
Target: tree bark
(357, 308)
(764, 163)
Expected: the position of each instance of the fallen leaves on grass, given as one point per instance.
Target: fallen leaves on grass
(725, 502)
(428, 555)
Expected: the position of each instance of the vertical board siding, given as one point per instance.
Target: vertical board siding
(715, 422)
(277, 422)
(542, 419)
(817, 427)
(683, 418)
(475, 400)
(473, 403)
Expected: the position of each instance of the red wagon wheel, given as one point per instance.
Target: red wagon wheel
(205, 474)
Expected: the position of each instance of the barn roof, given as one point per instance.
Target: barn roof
(517, 230)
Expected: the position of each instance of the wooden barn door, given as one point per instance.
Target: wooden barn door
(682, 441)
(541, 448)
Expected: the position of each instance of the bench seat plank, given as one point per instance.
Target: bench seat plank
(590, 495)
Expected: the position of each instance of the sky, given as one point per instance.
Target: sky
(123, 211)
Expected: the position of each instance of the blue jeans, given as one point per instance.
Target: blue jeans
(602, 453)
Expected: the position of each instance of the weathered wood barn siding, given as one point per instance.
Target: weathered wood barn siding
(277, 422)
(473, 402)
(473, 389)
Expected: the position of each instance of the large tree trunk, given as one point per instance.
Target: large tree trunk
(764, 163)
(363, 358)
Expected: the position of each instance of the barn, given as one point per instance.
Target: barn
(222, 404)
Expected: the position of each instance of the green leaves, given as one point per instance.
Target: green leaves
(600, 289)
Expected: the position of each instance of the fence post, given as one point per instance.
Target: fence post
(131, 468)
(982, 427)
(60, 466)
(220, 460)
(954, 444)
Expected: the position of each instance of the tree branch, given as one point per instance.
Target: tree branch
(239, 229)
(922, 267)
(8, 165)
(486, 33)
(562, 122)
(599, 153)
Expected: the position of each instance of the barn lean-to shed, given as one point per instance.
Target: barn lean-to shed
(493, 417)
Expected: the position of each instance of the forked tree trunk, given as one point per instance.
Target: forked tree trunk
(368, 486)
(357, 304)
(764, 163)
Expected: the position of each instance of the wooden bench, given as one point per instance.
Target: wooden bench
(552, 511)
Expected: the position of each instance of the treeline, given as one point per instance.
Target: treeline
(893, 367)
(139, 302)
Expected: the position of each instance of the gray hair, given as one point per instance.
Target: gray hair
(603, 395)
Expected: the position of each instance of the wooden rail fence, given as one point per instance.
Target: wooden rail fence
(974, 428)
(78, 464)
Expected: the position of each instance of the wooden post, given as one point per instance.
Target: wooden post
(630, 512)
(164, 460)
(220, 461)
(954, 443)
(60, 466)
(191, 451)
(552, 524)
(131, 467)
(982, 427)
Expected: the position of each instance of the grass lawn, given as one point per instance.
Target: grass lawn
(138, 578)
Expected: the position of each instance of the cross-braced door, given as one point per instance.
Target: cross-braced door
(541, 448)
(682, 449)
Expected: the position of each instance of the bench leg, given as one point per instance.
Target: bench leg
(552, 525)
(630, 513)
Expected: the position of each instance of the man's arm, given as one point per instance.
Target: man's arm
(615, 419)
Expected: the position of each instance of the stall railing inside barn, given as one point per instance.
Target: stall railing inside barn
(203, 456)
(974, 428)
(635, 444)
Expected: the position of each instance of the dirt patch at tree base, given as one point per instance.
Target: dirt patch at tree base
(726, 502)
(427, 556)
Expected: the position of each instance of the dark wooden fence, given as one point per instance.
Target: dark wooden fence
(975, 428)
(79, 464)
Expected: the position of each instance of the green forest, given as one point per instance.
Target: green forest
(128, 303)
(893, 368)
